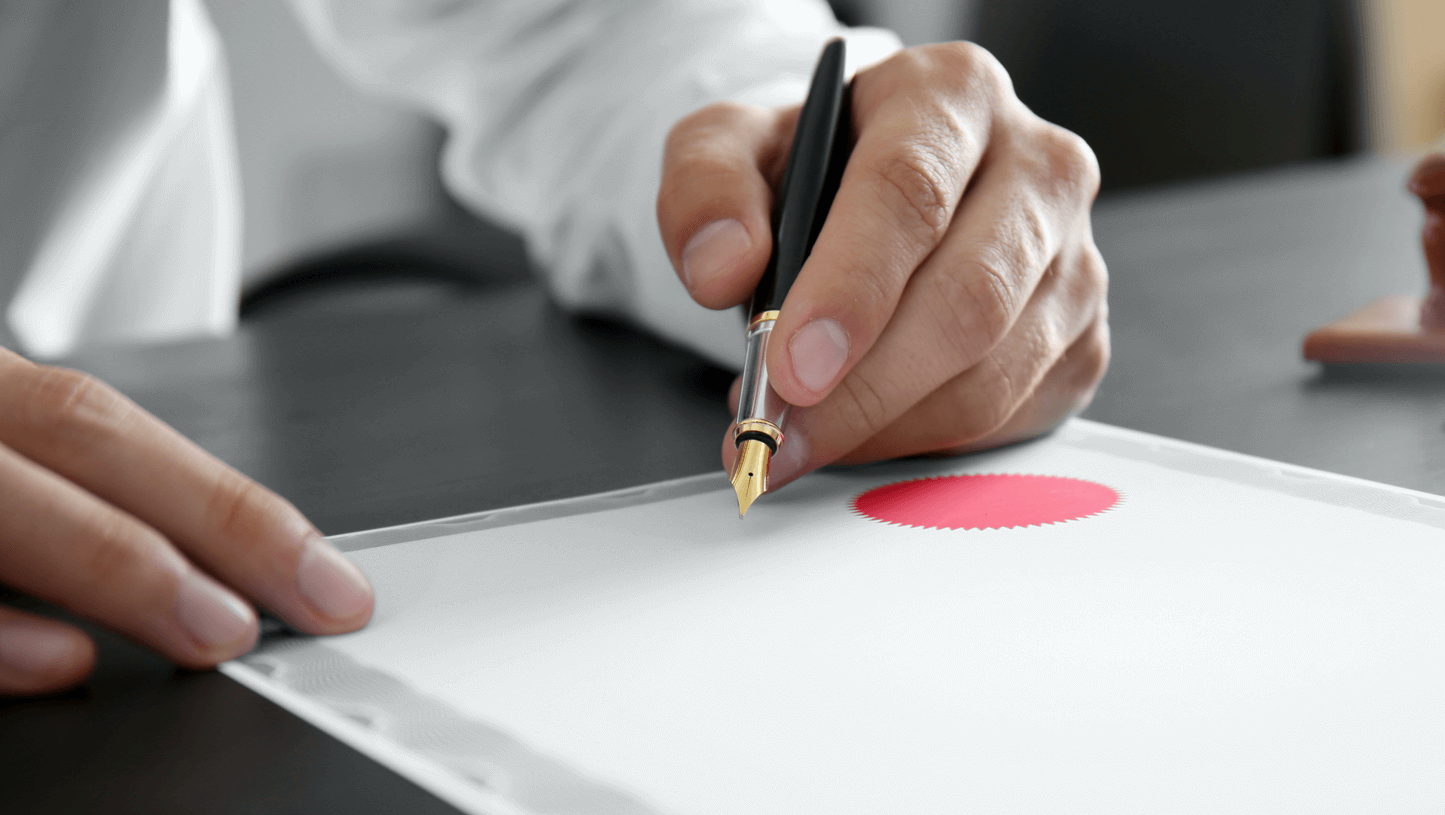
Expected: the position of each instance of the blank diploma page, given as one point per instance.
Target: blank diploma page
(1101, 621)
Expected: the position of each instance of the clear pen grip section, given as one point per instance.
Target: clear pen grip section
(757, 400)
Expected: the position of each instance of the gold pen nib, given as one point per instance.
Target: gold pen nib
(750, 473)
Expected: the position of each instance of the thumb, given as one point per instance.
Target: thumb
(714, 201)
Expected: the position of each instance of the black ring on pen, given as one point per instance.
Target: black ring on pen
(754, 435)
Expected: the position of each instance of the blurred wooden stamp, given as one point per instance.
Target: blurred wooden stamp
(1398, 329)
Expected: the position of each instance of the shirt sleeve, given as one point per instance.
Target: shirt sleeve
(557, 110)
(118, 183)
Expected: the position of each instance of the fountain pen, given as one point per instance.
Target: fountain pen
(819, 153)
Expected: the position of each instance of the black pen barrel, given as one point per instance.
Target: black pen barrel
(809, 179)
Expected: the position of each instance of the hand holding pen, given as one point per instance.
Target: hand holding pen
(953, 300)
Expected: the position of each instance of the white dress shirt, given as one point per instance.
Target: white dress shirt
(119, 205)
(556, 112)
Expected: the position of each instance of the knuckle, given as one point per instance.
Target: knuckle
(1069, 161)
(701, 169)
(704, 118)
(711, 163)
(687, 164)
(702, 143)
(1083, 281)
(864, 408)
(235, 503)
(10, 359)
(117, 552)
(874, 282)
(1027, 243)
(1077, 375)
(722, 113)
(71, 407)
(915, 182)
(1002, 396)
(1095, 272)
(986, 406)
(974, 63)
(1048, 339)
(1096, 353)
(701, 132)
(979, 305)
(947, 64)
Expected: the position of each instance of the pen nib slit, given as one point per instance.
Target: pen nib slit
(750, 473)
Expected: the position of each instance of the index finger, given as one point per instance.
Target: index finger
(924, 119)
(240, 532)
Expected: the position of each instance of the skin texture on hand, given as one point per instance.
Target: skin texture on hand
(955, 299)
(110, 513)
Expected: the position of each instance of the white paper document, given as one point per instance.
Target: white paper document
(1209, 633)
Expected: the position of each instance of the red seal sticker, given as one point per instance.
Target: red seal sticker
(992, 501)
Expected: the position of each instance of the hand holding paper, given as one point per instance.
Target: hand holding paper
(107, 511)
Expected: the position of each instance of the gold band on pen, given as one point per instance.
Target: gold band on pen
(762, 318)
(762, 426)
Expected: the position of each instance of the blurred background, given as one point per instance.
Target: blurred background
(1165, 92)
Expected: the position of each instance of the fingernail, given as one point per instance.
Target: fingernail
(714, 250)
(333, 585)
(36, 648)
(213, 616)
(819, 350)
(791, 458)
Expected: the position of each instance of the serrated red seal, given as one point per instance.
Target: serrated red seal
(986, 501)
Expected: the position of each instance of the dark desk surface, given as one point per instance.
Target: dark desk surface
(389, 403)
(1212, 289)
